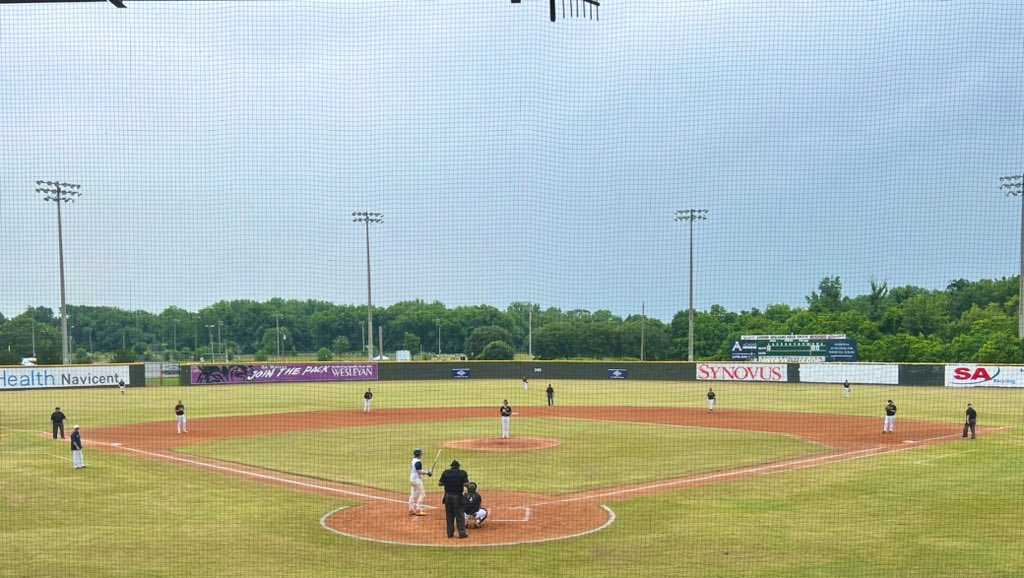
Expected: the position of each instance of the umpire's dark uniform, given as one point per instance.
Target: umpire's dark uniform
(57, 418)
(972, 421)
(453, 480)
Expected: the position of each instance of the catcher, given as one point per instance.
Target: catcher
(474, 511)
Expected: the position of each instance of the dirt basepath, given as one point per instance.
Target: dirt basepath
(514, 518)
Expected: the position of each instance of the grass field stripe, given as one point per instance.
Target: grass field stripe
(258, 475)
(608, 522)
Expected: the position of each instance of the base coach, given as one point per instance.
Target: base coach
(454, 480)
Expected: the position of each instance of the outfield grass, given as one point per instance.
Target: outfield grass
(591, 455)
(949, 510)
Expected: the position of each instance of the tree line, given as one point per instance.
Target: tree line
(967, 321)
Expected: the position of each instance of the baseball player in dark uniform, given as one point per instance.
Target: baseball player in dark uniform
(711, 400)
(473, 508)
(971, 422)
(551, 394)
(506, 419)
(890, 418)
(179, 418)
(367, 400)
(454, 480)
(57, 418)
(77, 458)
(846, 388)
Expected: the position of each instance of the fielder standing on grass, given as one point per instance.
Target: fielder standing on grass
(506, 420)
(417, 493)
(454, 480)
(711, 400)
(77, 458)
(179, 416)
(551, 395)
(890, 418)
(121, 386)
(57, 419)
(846, 388)
(971, 422)
(526, 384)
(367, 400)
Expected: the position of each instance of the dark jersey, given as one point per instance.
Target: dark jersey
(76, 440)
(890, 409)
(550, 390)
(179, 409)
(367, 395)
(57, 417)
(506, 410)
(472, 503)
(971, 414)
(711, 395)
(453, 481)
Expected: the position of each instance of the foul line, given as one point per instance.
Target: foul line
(782, 466)
(527, 514)
(260, 476)
(462, 544)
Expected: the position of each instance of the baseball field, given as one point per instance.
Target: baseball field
(618, 479)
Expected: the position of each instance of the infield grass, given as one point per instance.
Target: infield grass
(591, 454)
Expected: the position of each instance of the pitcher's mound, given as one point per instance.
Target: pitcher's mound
(517, 444)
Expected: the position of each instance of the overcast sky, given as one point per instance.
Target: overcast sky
(222, 146)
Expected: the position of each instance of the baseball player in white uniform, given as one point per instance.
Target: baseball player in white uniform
(417, 493)
(526, 384)
(506, 420)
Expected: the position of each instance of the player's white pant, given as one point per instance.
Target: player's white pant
(890, 423)
(846, 392)
(526, 386)
(416, 495)
(77, 459)
(366, 405)
(506, 426)
(478, 518)
(711, 404)
(182, 427)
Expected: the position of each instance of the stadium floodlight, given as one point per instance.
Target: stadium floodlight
(572, 9)
(691, 215)
(60, 193)
(367, 218)
(1013, 186)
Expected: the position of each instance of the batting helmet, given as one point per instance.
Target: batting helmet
(417, 453)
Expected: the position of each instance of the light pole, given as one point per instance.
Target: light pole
(277, 320)
(366, 218)
(212, 350)
(362, 333)
(643, 323)
(691, 215)
(60, 193)
(220, 340)
(33, 322)
(438, 321)
(1013, 186)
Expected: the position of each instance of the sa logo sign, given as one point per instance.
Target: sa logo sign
(977, 375)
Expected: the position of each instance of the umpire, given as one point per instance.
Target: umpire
(454, 479)
(971, 422)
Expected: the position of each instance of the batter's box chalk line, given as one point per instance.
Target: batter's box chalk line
(608, 522)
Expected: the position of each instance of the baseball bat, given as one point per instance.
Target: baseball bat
(437, 457)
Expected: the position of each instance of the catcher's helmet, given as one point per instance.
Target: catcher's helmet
(471, 486)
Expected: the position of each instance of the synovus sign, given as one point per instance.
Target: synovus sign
(742, 372)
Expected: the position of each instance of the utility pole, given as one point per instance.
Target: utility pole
(277, 320)
(643, 319)
(33, 322)
(60, 193)
(362, 333)
(1013, 186)
(366, 218)
(691, 215)
(380, 337)
(530, 331)
(220, 340)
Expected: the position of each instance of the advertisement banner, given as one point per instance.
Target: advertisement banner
(283, 373)
(742, 372)
(969, 375)
(618, 373)
(863, 373)
(462, 373)
(62, 376)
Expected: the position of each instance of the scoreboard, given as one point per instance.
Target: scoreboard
(794, 348)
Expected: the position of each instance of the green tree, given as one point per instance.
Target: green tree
(829, 296)
(481, 336)
(1001, 347)
(412, 342)
(341, 345)
(497, 350)
(324, 354)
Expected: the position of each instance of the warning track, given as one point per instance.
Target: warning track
(515, 517)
